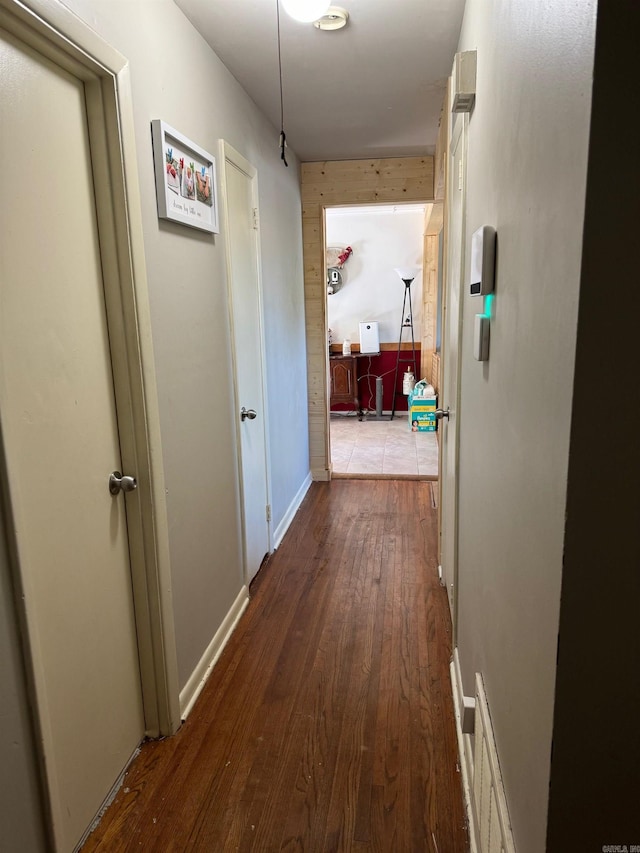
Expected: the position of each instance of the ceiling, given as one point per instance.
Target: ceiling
(372, 89)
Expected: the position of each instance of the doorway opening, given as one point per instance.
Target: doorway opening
(382, 336)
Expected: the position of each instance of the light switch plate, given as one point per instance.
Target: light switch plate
(481, 337)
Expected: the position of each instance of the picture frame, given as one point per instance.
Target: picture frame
(186, 181)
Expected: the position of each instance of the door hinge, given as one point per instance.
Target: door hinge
(268, 512)
(255, 218)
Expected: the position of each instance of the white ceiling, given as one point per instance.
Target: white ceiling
(373, 89)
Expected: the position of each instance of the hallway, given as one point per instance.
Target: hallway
(327, 724)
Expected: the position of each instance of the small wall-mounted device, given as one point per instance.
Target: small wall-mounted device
(481, 337)
(483, 261)
(463, 82)
(369, 337)
(334, 280)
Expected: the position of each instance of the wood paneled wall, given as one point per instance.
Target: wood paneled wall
(331, 184)
(429, 301)
(433, 224)
(435, 372)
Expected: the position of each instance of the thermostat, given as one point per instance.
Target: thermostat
(483, 259)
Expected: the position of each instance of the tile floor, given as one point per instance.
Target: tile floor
(371, 448)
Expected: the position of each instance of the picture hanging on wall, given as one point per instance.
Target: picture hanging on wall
(186, 186)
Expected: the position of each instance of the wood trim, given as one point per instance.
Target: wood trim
(465, 750)
(384, 347)
(435, 371)
(442, 147)
(434, 219)
(335, 183)
(429, 302)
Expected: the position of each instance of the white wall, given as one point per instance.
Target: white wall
(176, 77)
(382, 238)
(527, 158)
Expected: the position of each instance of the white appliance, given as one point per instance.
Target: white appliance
(369, 337)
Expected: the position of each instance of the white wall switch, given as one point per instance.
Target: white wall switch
(481, 337)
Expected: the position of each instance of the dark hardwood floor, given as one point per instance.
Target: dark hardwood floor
(327, 724)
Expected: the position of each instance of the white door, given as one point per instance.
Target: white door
(451, 366)
(60, 441)
(241, 232)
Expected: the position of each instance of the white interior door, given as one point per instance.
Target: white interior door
(60, 440)
(451, 366)
(241, 231)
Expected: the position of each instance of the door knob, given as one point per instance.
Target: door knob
(247, 413)
(442, 413)
(119, 483)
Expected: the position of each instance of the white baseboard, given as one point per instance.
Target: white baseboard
(282, 528)
(201, 673)
(465, 748)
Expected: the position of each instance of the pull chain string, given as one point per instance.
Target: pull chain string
(283, 138)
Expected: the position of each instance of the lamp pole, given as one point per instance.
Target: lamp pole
(407, 276)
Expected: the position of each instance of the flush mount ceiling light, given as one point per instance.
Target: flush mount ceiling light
(335, 18)
(305, 11)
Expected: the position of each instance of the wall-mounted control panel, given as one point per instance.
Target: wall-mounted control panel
(483, 261)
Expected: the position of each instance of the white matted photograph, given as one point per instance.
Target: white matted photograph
(186, 186)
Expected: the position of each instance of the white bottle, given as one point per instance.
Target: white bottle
(346, 347)
(408, 381)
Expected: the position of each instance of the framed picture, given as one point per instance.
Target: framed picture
(186, 186)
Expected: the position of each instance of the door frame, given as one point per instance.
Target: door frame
(340, 183)
(459, 133)
(229, 154)
(56, 33)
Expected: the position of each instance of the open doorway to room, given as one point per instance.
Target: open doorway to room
(382, 337)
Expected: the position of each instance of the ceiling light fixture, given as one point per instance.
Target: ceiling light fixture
(305, 11)
(335, 18)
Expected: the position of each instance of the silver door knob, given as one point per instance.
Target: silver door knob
(119, 483)
(248, 413)
(442, 413)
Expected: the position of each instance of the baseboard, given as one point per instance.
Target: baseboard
(320, 475)
(465, 749)
(466, 704)
(294, 506)
(201, 673)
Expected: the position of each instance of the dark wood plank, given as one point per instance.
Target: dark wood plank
(327, 724)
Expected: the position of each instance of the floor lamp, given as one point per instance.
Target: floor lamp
(407, 274)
